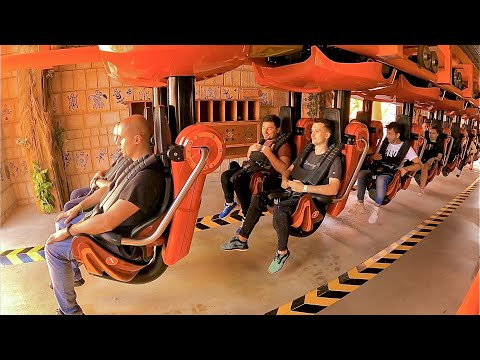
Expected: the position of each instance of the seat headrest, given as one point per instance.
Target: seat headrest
(455, 130)
(286, 125)
(334, 115)
(363, 117)
(404, 120)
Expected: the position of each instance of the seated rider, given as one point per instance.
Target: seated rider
(272, 155)
(433, 152)
(317, 170)
(119, 207)
(389, 157)
(100, 179)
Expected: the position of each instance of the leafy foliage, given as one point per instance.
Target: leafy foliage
(42, 188)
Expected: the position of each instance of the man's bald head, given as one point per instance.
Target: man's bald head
(137, 125)
(134, 132)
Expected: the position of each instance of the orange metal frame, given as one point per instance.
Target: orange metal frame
(397, 56)
(402, 91)
(318, 73)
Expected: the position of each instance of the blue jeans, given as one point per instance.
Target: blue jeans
(76, 197)
(382, 182)
(63, 269)
(80, 192)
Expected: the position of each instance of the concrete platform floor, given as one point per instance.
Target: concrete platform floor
(209, 281)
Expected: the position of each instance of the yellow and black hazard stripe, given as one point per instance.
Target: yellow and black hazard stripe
(21, 256)
(37, 253)
(213, 221)
(327, 294)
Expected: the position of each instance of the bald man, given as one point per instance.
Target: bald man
(133, 206)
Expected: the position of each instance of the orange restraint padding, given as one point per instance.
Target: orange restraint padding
(394, 186)
(98, 260)
(470, 305)
(306, 214)
(256, 182)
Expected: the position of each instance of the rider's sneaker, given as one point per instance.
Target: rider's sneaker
(227, 210)
(234, 244)
(358, 208)
(278, 262)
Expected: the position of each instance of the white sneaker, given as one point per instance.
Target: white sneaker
(374, 215)
(358, 208)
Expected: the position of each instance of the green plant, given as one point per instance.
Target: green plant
(42, 188)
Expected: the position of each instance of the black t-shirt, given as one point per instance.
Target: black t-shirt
(145, 190)
(312, 160)
(335, 170)
(432, 149)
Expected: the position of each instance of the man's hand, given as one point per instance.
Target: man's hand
(377, 156)
(255, 147)
(70, 214)
(98, 175)
(430, 161)
(266, 150)
(60, 235)
(295, 185)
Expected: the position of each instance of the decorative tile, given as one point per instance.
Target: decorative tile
(56, 104)
(119, 96)
(13, 169)
(249, 94)
(100, 159)
(8, 110)
(210, 92)
(25, 168)
(97, 100)
(83, 161)
(69, 162)
(266, 97)
(142, 94)
(74, 102)
(229, 93)
(113, 153)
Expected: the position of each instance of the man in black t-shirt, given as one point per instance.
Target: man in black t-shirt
(139, 200)
(328, 186)
(275, 162)
(433, 152)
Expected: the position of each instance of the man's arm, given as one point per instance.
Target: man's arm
(98, 175)
(120, 211)
(94, 198)
(279, 164)
(330, 189)
(86, 203)
(101, 182)
(286, 173)
(417, 165)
